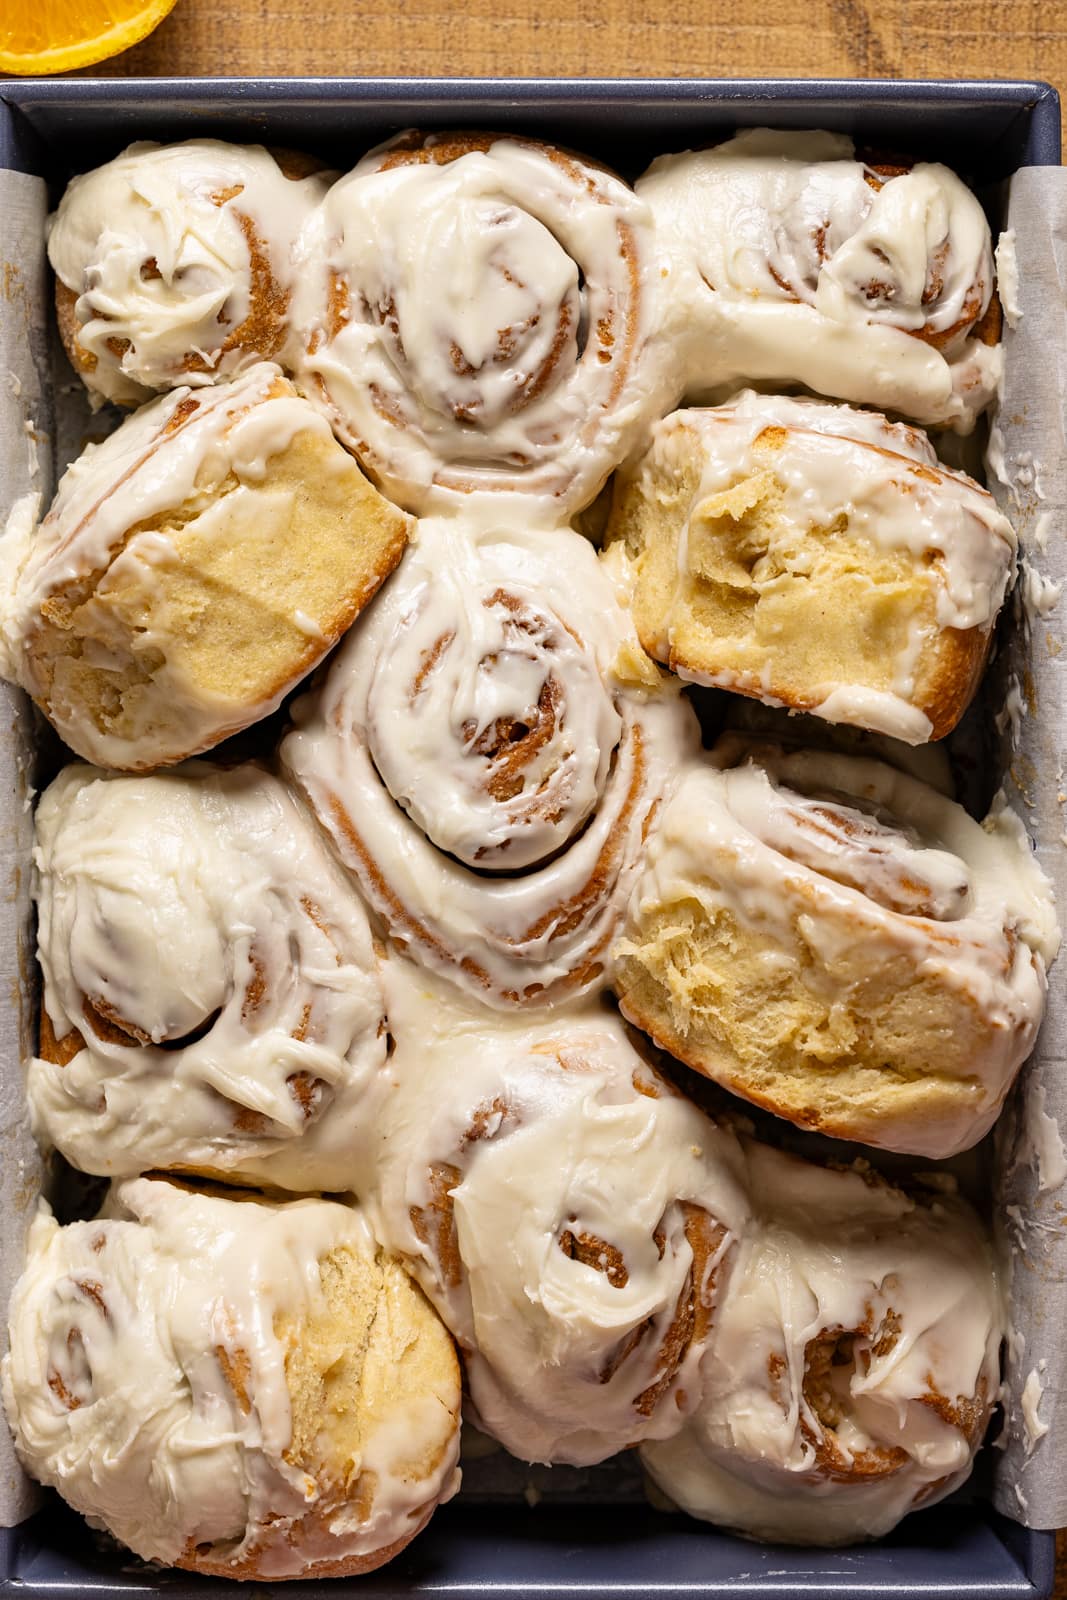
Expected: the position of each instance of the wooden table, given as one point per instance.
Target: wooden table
(611, 38)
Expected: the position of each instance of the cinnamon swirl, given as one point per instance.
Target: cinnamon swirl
(570, 1215)
(487, 751)
(175, 264)
(855, 1363)
(211, 995)
(193, 568)
(752, 523)
(831, 939)
(246, 1390)
(483, 320)
(790, 260)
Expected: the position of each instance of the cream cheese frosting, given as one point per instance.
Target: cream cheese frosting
(855, 1364)
(147, 1382)
(486, 319)
(570, 1215)
(212, 972)
(842, 866)
(487, 751)
(787, 259)
(182, 258)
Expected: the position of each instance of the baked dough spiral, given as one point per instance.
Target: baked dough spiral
(486, 319)
(835, 941)
(175, 264)
(192, 569)
(244, 1389)
(211, 994)
(487, 751)
(570, 1215)
(790, 260)
(855, 1365)
(751, 523)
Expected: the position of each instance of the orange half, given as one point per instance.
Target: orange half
(39, 36)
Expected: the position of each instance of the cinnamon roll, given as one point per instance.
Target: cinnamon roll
(835, 941)
(487, 752)
(484, 318)
(570, 1215)
(243, 1389)
(752, 523)
(855, 1363)
(175, 264)
(211, 995)
(790, 260)
(193, 568)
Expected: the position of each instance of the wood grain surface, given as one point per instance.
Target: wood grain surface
(610, 38)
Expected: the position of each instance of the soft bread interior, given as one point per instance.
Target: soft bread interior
(753, 605)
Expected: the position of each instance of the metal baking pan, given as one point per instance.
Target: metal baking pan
(600, 1547)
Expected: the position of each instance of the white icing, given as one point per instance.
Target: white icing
(191, 900)
(856, 854)
(897, 1418)
(1008, 277)
(548, 1134)
(885, 479)
(1029, 1405)
(129, 1315)
(499, 330)
(170, 248)
(406, 756)
(151, 465)
(1041, 1132)
(787, 260)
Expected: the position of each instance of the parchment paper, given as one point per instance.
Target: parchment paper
(1028, 473)
(26, 462)
(41, 401)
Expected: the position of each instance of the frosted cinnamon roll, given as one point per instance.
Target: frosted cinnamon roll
(192, 569)
(487, 751)
(748, 525)
(791, 260)
(833, 940)
(855, 1363)
(211, 995)
(483, 320)
(175, 263)
(243, 1389)
(570, 1215)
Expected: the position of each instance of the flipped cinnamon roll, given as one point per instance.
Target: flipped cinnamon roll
(243, 1389)
(750, 524)
(792, 261)
(192, 569)
(831, 939)
(855, 1363)
(483, 320)
(487, 752)
(175, 263)
(570, 1215)
(211, 995)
